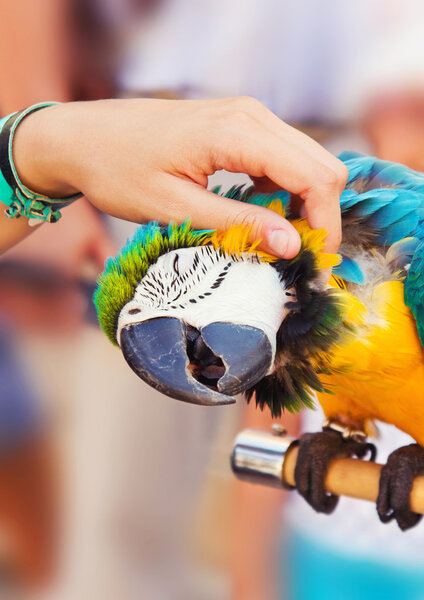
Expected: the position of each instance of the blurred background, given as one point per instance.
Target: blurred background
(107, 489)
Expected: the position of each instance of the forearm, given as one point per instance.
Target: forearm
(143, 160)
(36, 146)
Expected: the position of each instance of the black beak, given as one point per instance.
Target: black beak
(203, 367)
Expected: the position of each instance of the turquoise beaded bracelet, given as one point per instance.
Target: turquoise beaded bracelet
(20, 200)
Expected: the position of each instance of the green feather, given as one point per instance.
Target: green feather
(122, 274)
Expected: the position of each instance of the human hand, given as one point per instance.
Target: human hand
(146, 159)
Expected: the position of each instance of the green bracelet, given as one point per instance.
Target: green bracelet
(20, 200)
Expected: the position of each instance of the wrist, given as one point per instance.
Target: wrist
(40, 153)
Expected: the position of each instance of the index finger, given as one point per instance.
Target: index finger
(259, 152)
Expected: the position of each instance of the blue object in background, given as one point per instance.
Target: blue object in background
(313, 571)
(20, 413)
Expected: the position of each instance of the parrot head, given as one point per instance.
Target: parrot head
(204, 315)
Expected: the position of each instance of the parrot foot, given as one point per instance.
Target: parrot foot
(396, 480)
(316, 451)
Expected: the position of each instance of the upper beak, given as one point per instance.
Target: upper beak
(204, 367)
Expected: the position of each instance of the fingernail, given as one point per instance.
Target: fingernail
(278, 241)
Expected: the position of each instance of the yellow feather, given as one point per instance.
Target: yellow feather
(314, 240)
(236, 240)
(277, 206)
(386, 375)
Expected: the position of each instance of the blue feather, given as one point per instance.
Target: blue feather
(370, 202)
(349, 155)
(396, 211)
(349, 270)
(266, 199)
(387, 200)
(348, 199)
(390, 174)
(359, 169)
(398, 230)
(400, 254)
(358, 165)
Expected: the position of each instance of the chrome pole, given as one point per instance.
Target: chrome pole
(258, 456)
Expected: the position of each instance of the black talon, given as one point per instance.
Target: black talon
(316, 451)
(396, 479)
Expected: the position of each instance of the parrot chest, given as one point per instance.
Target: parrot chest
(383, 367)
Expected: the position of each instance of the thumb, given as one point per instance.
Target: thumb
(211, 211)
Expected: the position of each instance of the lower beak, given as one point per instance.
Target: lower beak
(204, 367)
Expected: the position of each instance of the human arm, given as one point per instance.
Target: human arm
(149, 159)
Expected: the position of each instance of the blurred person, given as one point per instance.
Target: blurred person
(36, 68)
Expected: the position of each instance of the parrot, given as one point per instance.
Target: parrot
(203, 316)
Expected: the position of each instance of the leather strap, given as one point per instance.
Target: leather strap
(5, 167)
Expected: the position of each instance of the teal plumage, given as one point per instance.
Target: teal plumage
(392, 215)
(392, 211)
(414, 289)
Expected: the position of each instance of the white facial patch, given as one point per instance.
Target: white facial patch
(199, 287)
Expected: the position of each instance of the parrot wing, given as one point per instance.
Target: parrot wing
(387, 199)
(383, 205)
(414, 289)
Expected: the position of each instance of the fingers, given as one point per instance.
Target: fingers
(263, 146)
(164, 179)
(322, 209)
(210, 211)
(269, 120)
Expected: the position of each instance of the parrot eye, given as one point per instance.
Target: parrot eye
(175, 265)
(183, 262)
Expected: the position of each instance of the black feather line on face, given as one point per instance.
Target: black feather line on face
(304, 339)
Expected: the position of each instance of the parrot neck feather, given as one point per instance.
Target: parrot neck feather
(320, 319)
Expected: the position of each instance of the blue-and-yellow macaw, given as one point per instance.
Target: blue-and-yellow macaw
(204, 315)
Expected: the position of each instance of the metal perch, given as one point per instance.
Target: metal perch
(270, 459)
